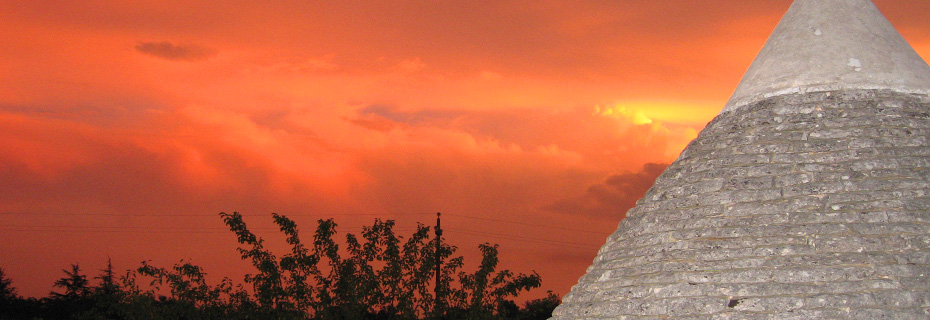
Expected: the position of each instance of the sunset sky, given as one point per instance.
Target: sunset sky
(126, 126)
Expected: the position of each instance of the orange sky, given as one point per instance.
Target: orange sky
(125, 127)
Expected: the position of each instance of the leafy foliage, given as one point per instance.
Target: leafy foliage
(376, 275)
(382, 275)
(7, 291)
(74, 283)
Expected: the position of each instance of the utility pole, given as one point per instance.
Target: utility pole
(438, 299)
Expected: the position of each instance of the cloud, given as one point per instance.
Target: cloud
(517, 160)
(167, 50)
(613, 197)
(606, 142)
(410, 65)
(475, 108)
(428, 117)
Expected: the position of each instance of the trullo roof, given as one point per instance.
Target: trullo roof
(824, 45)
(807, 197)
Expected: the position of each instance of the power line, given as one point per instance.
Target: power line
(208, 230)
(523, 239)
(201, 215)
(149, 229)
(295, 215)
(523, 223)
(217, 230)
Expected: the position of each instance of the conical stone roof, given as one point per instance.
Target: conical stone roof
(802, 199)
(822, 45)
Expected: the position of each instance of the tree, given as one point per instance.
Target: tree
(484, 293)
(540, 309)
(191, 296)
(107, 296)
(376, 275)
(7, 291)
(74, 301)
(12, 306)
(107, 279)
(74, 283)
(381, 276)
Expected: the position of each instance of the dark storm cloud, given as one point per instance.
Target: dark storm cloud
(419, 117)
(614, 196)
(169, 51)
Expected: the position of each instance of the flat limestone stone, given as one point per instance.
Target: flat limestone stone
(800, 206)
(826, 45)
(808, 197)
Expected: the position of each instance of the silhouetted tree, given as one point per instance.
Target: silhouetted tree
(7, 291)
(74, 283)
(485, 293)
(12, 306)
(107, 296)
(74, 301)
(8, 298)
(107, 279)
(378, 277)
(540, 309)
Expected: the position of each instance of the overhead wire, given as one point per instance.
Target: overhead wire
(214, 230)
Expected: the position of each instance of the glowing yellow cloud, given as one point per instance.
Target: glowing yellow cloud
(638, 117)
(647, 112)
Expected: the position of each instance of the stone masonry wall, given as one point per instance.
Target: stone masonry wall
(803, 206)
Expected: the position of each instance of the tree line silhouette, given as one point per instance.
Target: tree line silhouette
(377, 275)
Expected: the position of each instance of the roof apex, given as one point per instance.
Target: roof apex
(824, 45)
